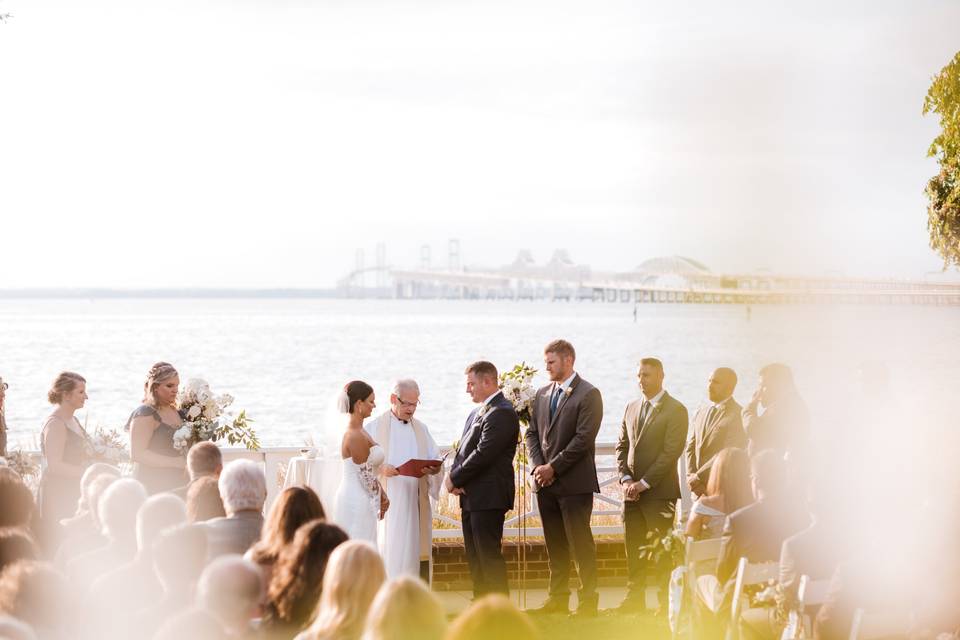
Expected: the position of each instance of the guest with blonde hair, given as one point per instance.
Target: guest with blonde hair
(293, 508)
(492, 616)
(158, 464)
(405, 609)
(63, 443)
(354, 574)
(76, 544)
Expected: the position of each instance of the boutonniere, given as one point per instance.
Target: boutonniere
(568, 391)
(455, 447)
(482, 411)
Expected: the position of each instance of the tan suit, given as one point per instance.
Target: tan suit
(711, 433)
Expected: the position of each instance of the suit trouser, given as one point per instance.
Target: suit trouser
(641, 517)
(566, 523)
(483, 542)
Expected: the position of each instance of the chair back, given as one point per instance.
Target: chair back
(812, 593)
(749, 574)
(702, 550)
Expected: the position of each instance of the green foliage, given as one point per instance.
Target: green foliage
(943, 190)
(238, 432)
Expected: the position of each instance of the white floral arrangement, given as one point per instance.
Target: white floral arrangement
(108, 445)
(517, 387)
(205, 417)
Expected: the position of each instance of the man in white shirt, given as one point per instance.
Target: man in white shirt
(406, 531)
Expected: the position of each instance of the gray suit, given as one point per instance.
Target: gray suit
(649, 452)
(711, 434)
(567, 443)
(233, 534)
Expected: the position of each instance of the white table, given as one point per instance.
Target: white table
(321, 475)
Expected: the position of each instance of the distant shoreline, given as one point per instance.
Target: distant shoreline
(21, 294)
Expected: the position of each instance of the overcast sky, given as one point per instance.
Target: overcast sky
(260, 143)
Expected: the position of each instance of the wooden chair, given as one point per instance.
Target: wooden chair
(748, 574)
(810, 593)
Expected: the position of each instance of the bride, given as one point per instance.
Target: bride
(360, 500)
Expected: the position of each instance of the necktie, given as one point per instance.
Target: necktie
(554, 401)
(644, 410)
(712, 414)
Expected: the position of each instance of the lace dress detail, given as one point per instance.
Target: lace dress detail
(358, 498)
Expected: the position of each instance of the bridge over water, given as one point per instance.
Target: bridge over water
(672, 279)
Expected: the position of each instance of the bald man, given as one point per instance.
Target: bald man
(715, 427)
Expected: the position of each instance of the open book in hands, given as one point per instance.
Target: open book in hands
(415, 468)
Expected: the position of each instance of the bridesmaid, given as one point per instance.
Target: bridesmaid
(157, 464)
(63, 445)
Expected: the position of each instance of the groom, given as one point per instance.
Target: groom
(482, 475)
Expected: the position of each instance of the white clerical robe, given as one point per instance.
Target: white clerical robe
(399, 531)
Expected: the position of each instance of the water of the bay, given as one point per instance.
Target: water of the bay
(285, 359)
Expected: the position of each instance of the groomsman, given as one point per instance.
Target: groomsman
(565, 420)
(715, 427)
(482, 475)
(651, 440)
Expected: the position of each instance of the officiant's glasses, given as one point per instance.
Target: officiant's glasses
(404, 403)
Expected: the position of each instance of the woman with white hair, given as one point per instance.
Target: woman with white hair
(243, 488)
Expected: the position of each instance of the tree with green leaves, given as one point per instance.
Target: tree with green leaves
(943, 189)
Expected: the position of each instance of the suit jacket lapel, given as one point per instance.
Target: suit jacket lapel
(652, 415)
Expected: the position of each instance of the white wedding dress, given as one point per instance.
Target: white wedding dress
(357, 509)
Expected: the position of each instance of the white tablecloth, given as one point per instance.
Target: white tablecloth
(321, 475)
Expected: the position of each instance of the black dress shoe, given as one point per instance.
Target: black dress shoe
(551, 606)
(584, 611)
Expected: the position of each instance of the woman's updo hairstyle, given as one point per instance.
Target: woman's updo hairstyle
(66, 382)
(159, 373)
(353, 393)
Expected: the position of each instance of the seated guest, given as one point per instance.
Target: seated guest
(35, 593)
(204, 460)
(179, 555)
(16, 544)
(133, 586)
(243, 488)
(81, 533)
(492, 616)
(16, 500)
(727, 490)
(117, 513)
(229, 589)
(203, 500)
(294, 590)
(63, 443)
(353, 576)
(405, 609)
(294, 507)
(77, 545)
(758, 530)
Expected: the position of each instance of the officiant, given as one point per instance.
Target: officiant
(406, 531)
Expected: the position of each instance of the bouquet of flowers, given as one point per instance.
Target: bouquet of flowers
(205, 418)
(107, 445)
(517, 387)
(671, 546)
